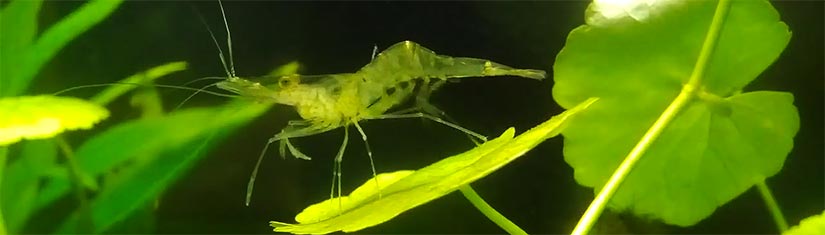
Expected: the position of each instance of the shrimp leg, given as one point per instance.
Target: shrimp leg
(337, 169)
(369, 153)
(422, 109)
(412, 111)
(292, 132)
(423, 104)
(431, 117)
(284, 144)
(288, 132)
(422, 99)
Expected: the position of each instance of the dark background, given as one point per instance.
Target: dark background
(537, 192)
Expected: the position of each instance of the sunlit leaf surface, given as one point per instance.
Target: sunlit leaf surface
(809, 226)
(40, 117)
(404, 190)
(637, 60)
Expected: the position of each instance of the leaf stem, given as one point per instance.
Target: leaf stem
(86, 225)
(711, 39)
(3, 156)
(687, 94)
(773, 207)
(488, 211)
(597, 206)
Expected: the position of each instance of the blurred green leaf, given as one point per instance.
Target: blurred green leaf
(176, 141)
(18, 25)
(4, 151)
(22, 179)
(637, 59)
(60, 34)
(22, 58)
(40, 117)
(814, 225)
(404, 190)
(148, 101)
(144, 167)
(289, 68)
(146, 77)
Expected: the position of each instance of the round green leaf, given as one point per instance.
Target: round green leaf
(40, 117)
(636, 60)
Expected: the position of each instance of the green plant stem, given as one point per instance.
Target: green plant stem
(687, 94)
(3, 154)
(773, 207)
(597, 206)
(488, 211)
(86, 226)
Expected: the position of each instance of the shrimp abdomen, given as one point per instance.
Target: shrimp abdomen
(408, 60)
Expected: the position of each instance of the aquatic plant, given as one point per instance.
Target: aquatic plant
(133, 174)
(657, 115)
(670, 122)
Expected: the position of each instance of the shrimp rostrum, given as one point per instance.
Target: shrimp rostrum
(402, 72)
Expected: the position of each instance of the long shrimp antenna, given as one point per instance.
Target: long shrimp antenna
(228, 69)
(141, 85)
(228, 42)
(203, 79)
(202, 89)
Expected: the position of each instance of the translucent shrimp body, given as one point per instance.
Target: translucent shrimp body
(326, 102)
(384, 83)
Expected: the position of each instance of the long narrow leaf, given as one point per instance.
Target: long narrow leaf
(181, 149)
(149, 137)
(403, 190)
(21, 181)
(57, 36)
(18, 26)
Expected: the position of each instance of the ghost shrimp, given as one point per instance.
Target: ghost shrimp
(327, 102)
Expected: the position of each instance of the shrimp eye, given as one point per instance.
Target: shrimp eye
(287, 81)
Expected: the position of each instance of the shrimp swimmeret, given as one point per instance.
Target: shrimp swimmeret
(327, 102)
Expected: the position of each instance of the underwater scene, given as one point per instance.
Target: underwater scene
(384, 117)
